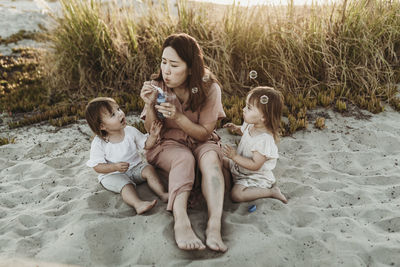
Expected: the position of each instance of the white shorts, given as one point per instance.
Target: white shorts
(114, 182)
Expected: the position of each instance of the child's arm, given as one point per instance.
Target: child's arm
(154, 134)
(233, 128)
(105, 168)
(251, 164)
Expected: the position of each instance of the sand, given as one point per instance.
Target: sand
(342, 183)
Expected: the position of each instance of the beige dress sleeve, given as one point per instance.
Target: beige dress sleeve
(213, 109)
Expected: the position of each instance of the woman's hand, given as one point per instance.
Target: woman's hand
(148, 94)
(168, 110)
(229, 151)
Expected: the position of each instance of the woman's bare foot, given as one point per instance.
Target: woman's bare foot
(214, 240)
(145, 206)
(164, 197)
(276, 193)
(185, 238)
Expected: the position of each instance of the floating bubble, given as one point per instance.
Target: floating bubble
(206, 78)
(195, 90)
(264, 99)
(253, 74)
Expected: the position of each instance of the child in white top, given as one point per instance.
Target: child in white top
(252, 164)
(114, 153)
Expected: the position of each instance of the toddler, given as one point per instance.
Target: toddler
(114, 153)
(252, 164)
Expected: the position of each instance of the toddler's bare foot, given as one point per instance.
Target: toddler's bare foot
(214, 240)
(276, 193)
(145, 206)
(164, 197)
(185, 238)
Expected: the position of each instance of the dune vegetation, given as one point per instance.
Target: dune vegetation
(335, 56)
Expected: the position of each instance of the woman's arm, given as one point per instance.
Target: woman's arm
(212, 109)
(197, 131)
(200, 132)
(148, 94)
(252, 164)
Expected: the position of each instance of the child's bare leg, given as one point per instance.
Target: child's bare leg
(150, 174)
(130, 196)
(227, 174)
(241, 193)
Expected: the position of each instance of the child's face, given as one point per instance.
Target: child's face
(251, 114)
(114, 121)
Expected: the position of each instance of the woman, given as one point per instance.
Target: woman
(188, 136)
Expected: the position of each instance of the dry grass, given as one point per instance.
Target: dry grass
(329, 56)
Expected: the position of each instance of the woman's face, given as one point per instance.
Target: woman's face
(174, 70)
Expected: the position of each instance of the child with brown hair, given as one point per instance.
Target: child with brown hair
(114, 153)
(252, 164)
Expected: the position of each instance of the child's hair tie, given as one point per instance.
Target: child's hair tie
(264, 99)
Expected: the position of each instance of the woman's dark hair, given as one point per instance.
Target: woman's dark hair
(93, 113)
(189, 51)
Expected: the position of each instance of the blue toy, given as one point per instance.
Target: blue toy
(252, 208)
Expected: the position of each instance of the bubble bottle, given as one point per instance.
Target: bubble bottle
(161, 98)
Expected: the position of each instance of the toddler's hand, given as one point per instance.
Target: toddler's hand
(229, 151)
(155, 128)
(231, 127)
(121, 166)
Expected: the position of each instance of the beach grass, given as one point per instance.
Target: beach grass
(320, 55)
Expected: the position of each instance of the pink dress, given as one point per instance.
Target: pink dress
(177, 153)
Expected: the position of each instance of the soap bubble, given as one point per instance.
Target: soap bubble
(206, 78)
(264, 99)
(195, 90)
(253, 74)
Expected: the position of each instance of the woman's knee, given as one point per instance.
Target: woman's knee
(185, 158)
(182, 171)
(210, 158)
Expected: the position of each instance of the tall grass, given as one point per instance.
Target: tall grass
(316, 55)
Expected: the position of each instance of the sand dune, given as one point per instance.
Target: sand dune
(342, 184)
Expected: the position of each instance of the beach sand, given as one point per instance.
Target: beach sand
(342, 183)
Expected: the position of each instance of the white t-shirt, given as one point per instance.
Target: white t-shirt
(125, 151)
(264, 144)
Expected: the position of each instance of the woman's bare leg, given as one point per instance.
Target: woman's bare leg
(185, 238)
(212, 186)
(241, 193)
(130, 196)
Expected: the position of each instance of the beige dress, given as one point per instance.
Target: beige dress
(177, 153)
(265, 145)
